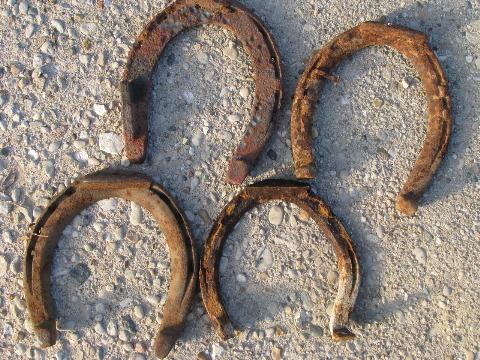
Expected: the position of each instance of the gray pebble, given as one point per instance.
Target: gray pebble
(197, 138)
(16, 265)
(231, 53)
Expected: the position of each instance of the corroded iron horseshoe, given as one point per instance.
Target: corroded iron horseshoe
(83, 193)
(186, 14)
(297, 193)
(413, 45)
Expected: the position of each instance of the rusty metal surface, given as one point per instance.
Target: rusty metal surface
(299, 194)
(182, 15)
(83, 193)
(414, 46)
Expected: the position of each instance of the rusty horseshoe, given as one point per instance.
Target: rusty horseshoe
(413, 45)
(136, 85)
(83, 193)
(297, 193)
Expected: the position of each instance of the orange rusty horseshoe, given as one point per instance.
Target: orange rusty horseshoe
(136, 86)
(413, 45)
(297, 193)
(83, 193)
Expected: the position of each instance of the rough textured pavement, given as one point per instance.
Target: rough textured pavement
(60, 66)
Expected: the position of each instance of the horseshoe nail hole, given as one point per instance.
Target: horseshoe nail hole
(104, 275)
(274, 271)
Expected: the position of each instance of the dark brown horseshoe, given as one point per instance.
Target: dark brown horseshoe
(297, 193)
(186, 14)
(83, 193)
(413, 45)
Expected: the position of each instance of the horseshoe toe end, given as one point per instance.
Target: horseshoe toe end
(342, 334)
(406, 205)
(237, 171)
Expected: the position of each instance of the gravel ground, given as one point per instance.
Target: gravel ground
(60, 65)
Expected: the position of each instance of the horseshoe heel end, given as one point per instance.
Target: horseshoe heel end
(304, 172)
(164, 341)
(46, 333)
(237, 171)
(135, 149)
(406, 205)
(342, 333)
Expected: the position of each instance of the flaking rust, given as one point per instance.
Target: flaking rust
(414, 46)
(185, 14)
(297, 193)
(83, 193)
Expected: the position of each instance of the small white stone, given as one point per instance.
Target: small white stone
(110, 143)
(197, 138)
(469, 58)
(136, 214)
(80, 156)
(112, 329)
(153, 299)
(241, 278)
(447, 291)
(138, 312)
(54, 146)
(108, 204)
(188, 96)
(234, 118)
(99, 109)
(33, 155)
(88, 28)
(100, 329)
(332, 277)
(23, 7)
(29, 31)
(275, 215)
(405, 84)
(420, 255)
(231, 52)
(58, 25)
(244, 92)
(3, 265)
(123, 335)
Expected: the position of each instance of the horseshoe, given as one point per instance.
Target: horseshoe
(299, 194)
(83, 193)
(413, 45)
(181, 15)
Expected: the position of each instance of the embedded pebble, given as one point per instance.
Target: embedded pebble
(275, 215)
(110, 143)
(244, 92)
(99, 109)
(420, 255)
(234, 118)
(3, 265)
(136, 214)
(123, 335)
(241, 278)
(197, 138)
(58, 25)
(266, 260)
(100, 329)
(138, 312)
(231, 53)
